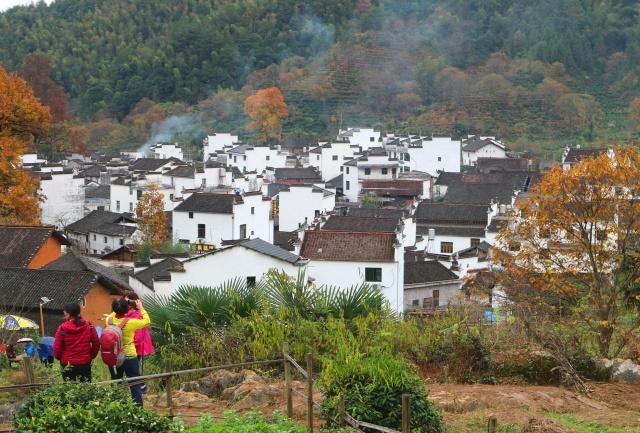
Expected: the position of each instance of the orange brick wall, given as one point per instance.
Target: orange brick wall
(50, 251)
(98, 302)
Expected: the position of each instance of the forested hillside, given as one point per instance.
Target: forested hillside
(540, 73)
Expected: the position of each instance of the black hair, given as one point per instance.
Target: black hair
(73, 310)
(120, 306)
(133, 296)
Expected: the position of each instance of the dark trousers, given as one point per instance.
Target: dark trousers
(77, 373)
(130, 368)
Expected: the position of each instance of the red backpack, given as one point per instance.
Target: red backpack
(112, 344)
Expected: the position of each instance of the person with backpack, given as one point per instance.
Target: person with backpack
(75, 345)
(117, 343)
(142, 337)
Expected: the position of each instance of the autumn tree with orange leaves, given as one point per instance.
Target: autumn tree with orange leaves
(266, 108)
(569, 256)
(152, 221)
(22, 119)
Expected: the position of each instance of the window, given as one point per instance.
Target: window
(243, 231)
(393, 172)
(371, 139)
(436, 298)
(121, 241)
(317, 157)
(341, 168)
(317, 213)
(367, 171)
(94, 237)
(253, 210)
(235, 159)
(190, 215)
(446, 247)
(100, 207)
(170, 196)
(334, 157)
(347, 170)
(86, 238)
(475, 242)
(385, 170)
(439, 159)
(201, 231)
(244, 157)
(251, 281)
(117, 205)
(427, 303)
(373, 275)
(138, 193)
(252, 233)
(95, 252)
(268, 157)
(105, 239)
(130, 207)
(407, 157)
(348, 183)
(415, 303)
(204, 183)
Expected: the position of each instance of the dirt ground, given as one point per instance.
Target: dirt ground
(609, 408)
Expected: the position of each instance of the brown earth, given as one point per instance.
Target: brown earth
(526, 409)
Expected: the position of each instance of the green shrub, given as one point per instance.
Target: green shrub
(250, 422)
(83, 407)
(372, 385)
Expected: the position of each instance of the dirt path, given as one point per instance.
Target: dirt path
(609, 408)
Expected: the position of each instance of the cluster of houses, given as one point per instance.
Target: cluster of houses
(412, 215)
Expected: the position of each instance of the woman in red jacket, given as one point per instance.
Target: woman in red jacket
(75, 345)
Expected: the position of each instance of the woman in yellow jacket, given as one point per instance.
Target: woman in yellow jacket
(131, 365)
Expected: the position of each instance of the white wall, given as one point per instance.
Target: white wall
(364, 137)
(218, 141)
(166, 151)
(459, 243)
(123, 198)
(350, 184)
(220, 227)
(301, 202)
(437, 154)
(63, 199)
(237, 262)
(346, 274)
(450, 294)
(332, 158)
(98, 245)
(489, 151)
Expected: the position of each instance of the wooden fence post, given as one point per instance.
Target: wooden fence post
(406, 413)
(287, 380)
(341, 412)
(169, 388)
(29, 372)
(310, 391)
(492, 424)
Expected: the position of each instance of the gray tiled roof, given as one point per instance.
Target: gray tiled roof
(157, 271)
(19, 245)
(427, 272)
(71, 262)
(22, 288)
(95, 219)
(361, 224)
(264, 247)
(111, 229)
(207, 203)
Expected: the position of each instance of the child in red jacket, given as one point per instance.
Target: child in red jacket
(75, 345)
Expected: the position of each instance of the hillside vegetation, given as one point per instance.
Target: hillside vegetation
(541, 73)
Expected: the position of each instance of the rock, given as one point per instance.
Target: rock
(215, 383)
(7, 411)
(187, 399)
(625, 371)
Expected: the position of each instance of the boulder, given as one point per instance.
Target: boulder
(187, 399)
(214, 384)
(625, 371)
